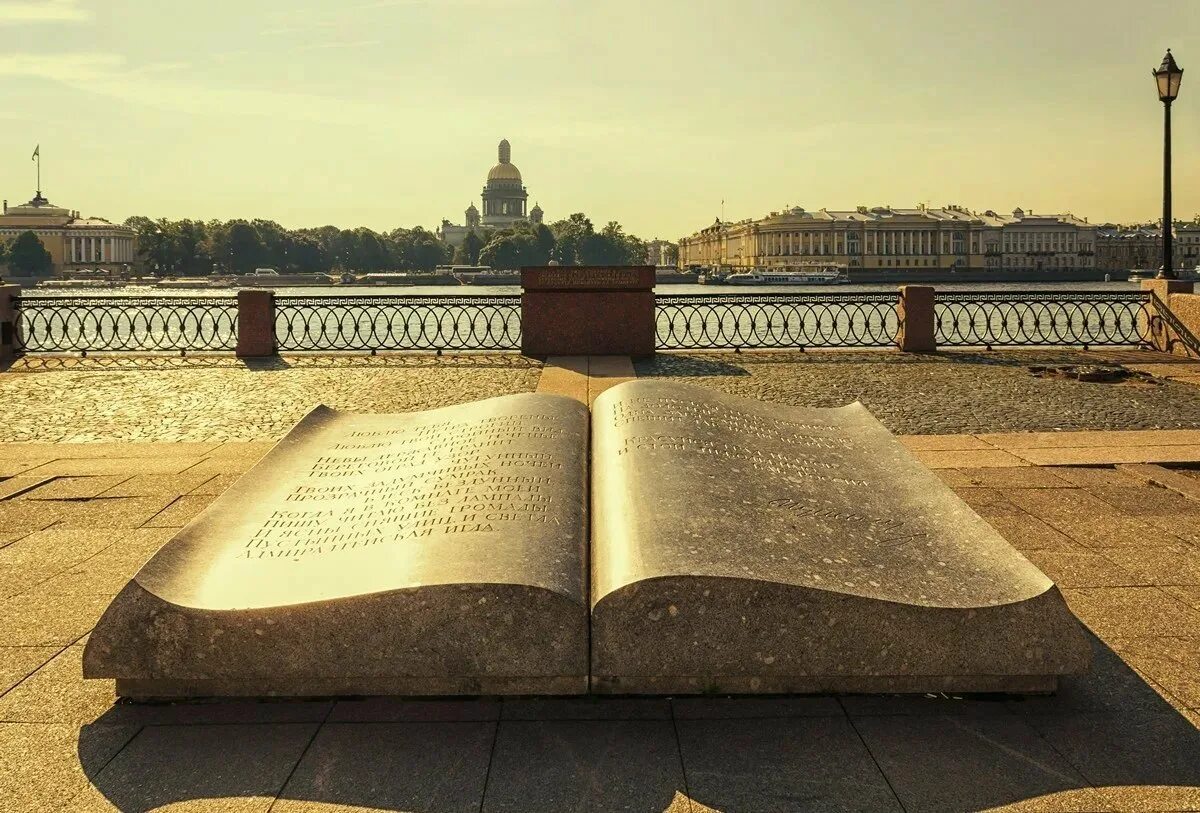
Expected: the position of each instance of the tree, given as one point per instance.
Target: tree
(27, 256)
(671, 254)
(472, 245)
(570, 235)
(241, 249)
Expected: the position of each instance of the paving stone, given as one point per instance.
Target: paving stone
(1028, 533)
(585, 708)
(1086, 519)
(20, 484)
(216, 712)
(392, 766)
(1085, 476)
(44, 766)
(584, 765)
(988, 501)
(57, 693)
(1108, 455)
(944, 443)
(1147, 501)
(19, 518)
(1189, 595)
(1171, 662)
(49, 618)
(228, 768)
(74, 488)
(1181, 481)
(734, 708)
(99, 466)
(1076, 440)
(926, 704)
(11, 467)
(1136, 762)
(117, 512)
(51, 551)
(105, 450)
(937, 763)
(970, 459)
(18, 662)
(153, 485)
(396, 710)
(180, 512)
(216, 485)
(1131, 612)
(1082, 568)
(1018, 477)
(1170, 565)
(798, 763)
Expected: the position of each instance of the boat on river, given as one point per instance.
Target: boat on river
(826, 275)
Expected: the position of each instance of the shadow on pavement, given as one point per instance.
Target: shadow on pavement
(1109, 729)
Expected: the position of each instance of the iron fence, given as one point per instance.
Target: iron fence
(1039, 318)
(61, 324)
(690, 322)
(335, 323)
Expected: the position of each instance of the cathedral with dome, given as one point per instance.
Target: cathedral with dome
(504, 203)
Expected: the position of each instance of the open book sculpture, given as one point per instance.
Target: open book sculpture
(735, 546)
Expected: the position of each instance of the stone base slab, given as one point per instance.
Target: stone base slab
(825, 684)
(151, 689)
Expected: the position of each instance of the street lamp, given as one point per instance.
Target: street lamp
(1168, 76)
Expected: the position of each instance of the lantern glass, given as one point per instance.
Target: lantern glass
(1168, 78)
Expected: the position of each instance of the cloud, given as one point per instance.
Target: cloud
(16, 12)
(164, 85)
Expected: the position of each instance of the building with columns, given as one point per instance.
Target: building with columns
(890, 239)
(1129, 248)
(504, 201)
(74, 242)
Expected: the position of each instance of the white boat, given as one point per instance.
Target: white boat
(830, 275)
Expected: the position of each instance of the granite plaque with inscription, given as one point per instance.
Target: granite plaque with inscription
(587, 310)
(740, 546)
(441, 552)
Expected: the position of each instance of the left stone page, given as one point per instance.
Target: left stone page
(439, 552)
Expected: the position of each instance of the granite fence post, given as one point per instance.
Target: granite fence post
(587, 311)
(1177, 296)
(915, 311)
(8, 322)
(256, 324)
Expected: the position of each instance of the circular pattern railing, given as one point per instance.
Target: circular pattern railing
(398, 323)
(60, 324)
(692, 322)
(1026, 318)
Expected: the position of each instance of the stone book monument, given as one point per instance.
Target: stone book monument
(735, 546)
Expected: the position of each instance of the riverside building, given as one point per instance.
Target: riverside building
(891, 239)
(74, 242)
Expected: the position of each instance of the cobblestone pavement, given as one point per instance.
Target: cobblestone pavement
(221, 398)
(950, 392)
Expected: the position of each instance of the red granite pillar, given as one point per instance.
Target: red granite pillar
(916, 319)
(587, 311)
(8, 322)
(1177, 296)
(256, 324)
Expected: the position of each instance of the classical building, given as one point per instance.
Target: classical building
(74, 242)
(1128, 248)
(504, 201)
(887, 238)
(659, 252)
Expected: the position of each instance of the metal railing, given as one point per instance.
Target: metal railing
(1041, 319)
(690, 322)
(1174, 331)
(60, 324)
(335, 323)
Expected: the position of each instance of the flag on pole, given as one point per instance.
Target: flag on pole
(37, 151)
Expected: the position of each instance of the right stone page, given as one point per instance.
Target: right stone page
(742, 547)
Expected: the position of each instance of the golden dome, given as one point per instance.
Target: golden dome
(504, 172)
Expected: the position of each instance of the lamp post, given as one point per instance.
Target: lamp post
(1167, 77)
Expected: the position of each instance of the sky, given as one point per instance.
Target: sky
(386, 113)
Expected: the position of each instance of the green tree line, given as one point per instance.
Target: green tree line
(194, 247)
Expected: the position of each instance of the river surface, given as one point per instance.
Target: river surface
(510, 290)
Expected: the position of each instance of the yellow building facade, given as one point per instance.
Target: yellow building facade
(74, 242)
(883, 237)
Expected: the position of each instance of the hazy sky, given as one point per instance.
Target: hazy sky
(387, 112)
